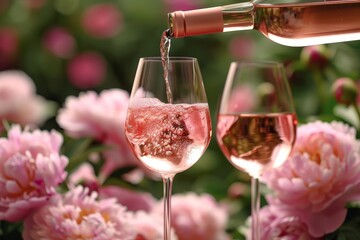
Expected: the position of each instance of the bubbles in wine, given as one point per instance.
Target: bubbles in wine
(160, 131)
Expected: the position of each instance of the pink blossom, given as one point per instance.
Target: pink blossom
(30, 169)
(35, 4)
(320, 176)
(237, 190)
(85, 176)
(134, 201)
(197, 217)
(87, 70)
(59, 42)
(84, 116)
(242, 99)
(176, 5)
(18, 100)
(316, 57)
(345, 91)
(241, 47)
(4, 5)
(150, 226)
(102, 20)
(78, 215)
(275, 223)
(9, 44)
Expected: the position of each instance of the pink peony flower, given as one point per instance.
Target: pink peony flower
(150, 226)
(197, 217)
(84, 175)
(87, 70)
(30, 169)
(9, 46)
(134, 201)
(84, 116)
(102, 20)
(59, 42)
(18, 101)
(275, 223)
(320, 176)
(78, 215)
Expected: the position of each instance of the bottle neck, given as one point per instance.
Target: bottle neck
(233, 17)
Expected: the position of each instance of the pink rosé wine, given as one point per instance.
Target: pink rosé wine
(168, 138)
(31, 167)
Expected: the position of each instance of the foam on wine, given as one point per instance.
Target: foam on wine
(168, 138)
(254, 142)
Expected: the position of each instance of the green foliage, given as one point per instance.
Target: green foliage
(350, 230)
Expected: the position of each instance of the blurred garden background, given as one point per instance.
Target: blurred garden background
(68, 47)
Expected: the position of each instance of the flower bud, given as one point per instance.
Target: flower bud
(236, 190)
(316, 57)
(345, 90)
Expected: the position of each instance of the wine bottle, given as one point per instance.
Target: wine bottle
(292, 24)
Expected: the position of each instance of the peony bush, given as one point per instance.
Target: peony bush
(55, 195)
(52, 202)
(66, 172)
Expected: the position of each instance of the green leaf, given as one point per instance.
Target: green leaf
(350, 230)
(82, 157)
(348, 114)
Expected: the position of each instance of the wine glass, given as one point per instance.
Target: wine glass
(256, 122)
(168, 122)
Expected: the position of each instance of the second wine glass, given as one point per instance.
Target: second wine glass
(256, 122)
(168, 121)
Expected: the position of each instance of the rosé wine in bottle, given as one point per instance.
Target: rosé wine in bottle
(168, 138)
(253, 142)
(290, 23)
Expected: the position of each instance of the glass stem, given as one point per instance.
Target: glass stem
(168, 181)
(255, 208)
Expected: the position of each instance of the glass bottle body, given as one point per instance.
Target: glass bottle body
(291, 24)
